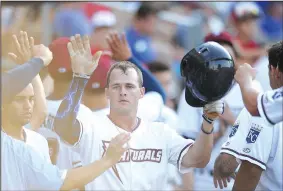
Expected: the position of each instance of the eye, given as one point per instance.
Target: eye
(31, 99)
(130, 86)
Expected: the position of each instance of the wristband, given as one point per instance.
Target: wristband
(208, 120)
(208, 133)
(81, 75)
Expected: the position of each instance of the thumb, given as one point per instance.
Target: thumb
(13, 57)
(96, 57)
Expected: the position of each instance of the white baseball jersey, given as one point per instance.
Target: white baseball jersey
(144, 166)
(255, 141)
(38, 142)
(67, 158)
(190, 124)
(270, 105)
(22, 168)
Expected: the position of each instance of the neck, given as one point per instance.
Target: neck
(126, 122)
(60, 90)
(95, 102)
(15, 131)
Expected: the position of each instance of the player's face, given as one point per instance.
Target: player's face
(275, 77)
(165, 78)
(20, 110)
(124, 91)
(248, 28)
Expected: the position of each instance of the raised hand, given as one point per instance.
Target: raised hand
(213, 110)
(245, 73)
(119, 46)
(23, 48)
(116, 148)
(83, 63)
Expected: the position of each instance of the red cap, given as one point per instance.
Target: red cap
(60, 66)
(98, 79)
(219, 37)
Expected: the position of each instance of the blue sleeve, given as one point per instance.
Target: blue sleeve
(149, 81)
(15, 80)
(65, 123)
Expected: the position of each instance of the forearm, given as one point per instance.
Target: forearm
(199, 154)
(78, 177)
(247, 177)
(249, 95)
(40, 106)
(150, 82)
(15, 80)
(65, 123)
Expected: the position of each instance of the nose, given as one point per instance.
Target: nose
(123, 91)
(27, 105)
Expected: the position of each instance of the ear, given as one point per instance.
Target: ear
(142, 91)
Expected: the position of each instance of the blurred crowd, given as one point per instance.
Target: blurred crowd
(158, 34)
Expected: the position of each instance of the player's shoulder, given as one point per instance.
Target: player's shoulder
(35, 136)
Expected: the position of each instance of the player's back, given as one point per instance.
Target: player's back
(271, 178)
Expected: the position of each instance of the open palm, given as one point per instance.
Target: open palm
(82, 61)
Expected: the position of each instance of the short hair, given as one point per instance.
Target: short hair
(275, 55)
(124, 66)
(145, 10)
(156, 66)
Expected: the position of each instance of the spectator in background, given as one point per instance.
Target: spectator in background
(272, 23)
(103, 21)
(70, 20)
(139, 33)
(163, 74)
(245, 17)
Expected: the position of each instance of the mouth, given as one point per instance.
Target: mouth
(124, 101)
(27, 115)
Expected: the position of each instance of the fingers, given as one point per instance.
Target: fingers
(224, 182)
(86, 43)
(79, 43)
(74, 44)
(123, 39)
(26, 41)
(17, 44)
(71, 49)
(13, 56)
(31, 43)
(215, 182)
(22, 41)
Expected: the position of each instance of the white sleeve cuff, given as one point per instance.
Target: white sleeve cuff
(181, 168)
(244, 157)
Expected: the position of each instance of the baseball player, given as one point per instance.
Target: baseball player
(152, 145)
(269, 104)
(22, 168)
(28, 106)
(237, 147)
(22, 75)
(189, 126)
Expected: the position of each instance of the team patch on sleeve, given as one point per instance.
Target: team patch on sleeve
(234, 129)
(253, 133)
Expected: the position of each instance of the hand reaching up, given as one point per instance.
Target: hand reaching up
(119, 46)
(25, 50)
(83, 63)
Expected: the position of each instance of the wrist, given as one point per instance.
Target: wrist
(107, 162)
(78, 75)
(207, 128)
